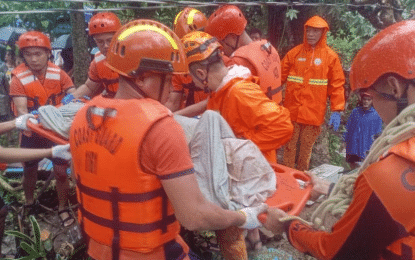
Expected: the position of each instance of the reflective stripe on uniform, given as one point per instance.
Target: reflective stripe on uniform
(321, 82)
(295, 79)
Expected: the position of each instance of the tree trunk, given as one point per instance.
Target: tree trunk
(81, 55)
(276, 26)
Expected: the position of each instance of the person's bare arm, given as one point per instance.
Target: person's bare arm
(90, 88)
(21, 105)
(193, 211)
(11, 155)
(193, 110)
(173, 103)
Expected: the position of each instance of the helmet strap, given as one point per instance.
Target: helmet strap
(402, 102)
(161, 89)
(134, 86)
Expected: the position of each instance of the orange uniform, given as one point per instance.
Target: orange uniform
(312, 75)
(101, 74)
(127, 213)
(264, 62)
(40, 91)
(192, 94)
(380, 221)
(251, 114)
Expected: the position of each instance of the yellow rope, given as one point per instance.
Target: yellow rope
(400, 129)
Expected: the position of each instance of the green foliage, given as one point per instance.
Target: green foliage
(35, 248)
(291, 14)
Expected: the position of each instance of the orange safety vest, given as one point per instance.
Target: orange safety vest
(108, 77)
(38, 94)
(393, 181)
(121, 205)
(264, 57)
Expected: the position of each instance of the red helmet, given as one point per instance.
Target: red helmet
(146, 45)
(188, 20)
(34, 39)
(104, 23)
(199, 46)
(226, 20)
(390, 51)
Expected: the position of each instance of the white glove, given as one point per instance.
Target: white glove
(251, 214)
(21, 121)
(61, 151)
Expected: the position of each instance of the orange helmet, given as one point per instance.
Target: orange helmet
(226, 20)
(34, 39)
(199, 46)
(188, 20)
(104, 23)
(390, 51)
(146, 45)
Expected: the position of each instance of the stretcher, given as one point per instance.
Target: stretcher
(293, 191)
(48, 134)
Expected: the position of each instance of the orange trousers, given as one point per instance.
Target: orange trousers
(232, 243)
(307, 136)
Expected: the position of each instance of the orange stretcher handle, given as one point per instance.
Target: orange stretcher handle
(40, 130)
(289, 196)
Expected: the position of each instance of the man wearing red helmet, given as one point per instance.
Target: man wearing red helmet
(135, 177)
(35, 83)
(102, 28)
(228, 24)
(312, 73)
(185, 93)
(379, 223)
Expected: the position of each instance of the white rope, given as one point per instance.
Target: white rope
(400, 129)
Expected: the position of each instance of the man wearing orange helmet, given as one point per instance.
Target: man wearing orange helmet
(188, 20)
(228, 24)
(35, 83)
(237, 96)
(379, 223)
(102, 28)
(131, 214)
(312, 72)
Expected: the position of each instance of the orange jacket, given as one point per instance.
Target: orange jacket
(116, 196)
(312, 75)
(107, 77)
(184, 84)
(266, 61)
(380, 221)
(252, 115)
(38, 94)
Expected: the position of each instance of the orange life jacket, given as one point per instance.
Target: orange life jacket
(121, 206)
(38, 94)
(264, 57)
(108, 77)
(393, 181)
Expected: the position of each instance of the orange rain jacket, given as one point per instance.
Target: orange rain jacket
(312, 75)
(252, 115)
(380, 221)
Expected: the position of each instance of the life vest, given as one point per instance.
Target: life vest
(264, 57)
(38, 94)
(393, 181)
(108, 77)
(121, 206)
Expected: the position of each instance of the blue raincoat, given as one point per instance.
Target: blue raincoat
(361, 128)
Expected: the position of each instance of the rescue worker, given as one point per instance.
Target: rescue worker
(35, 83)
(188, 20)
(379, 223)
(236, 95)
(132, 214)
(228, 25)
(312, 72)
(11, 155)
(102, 28)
